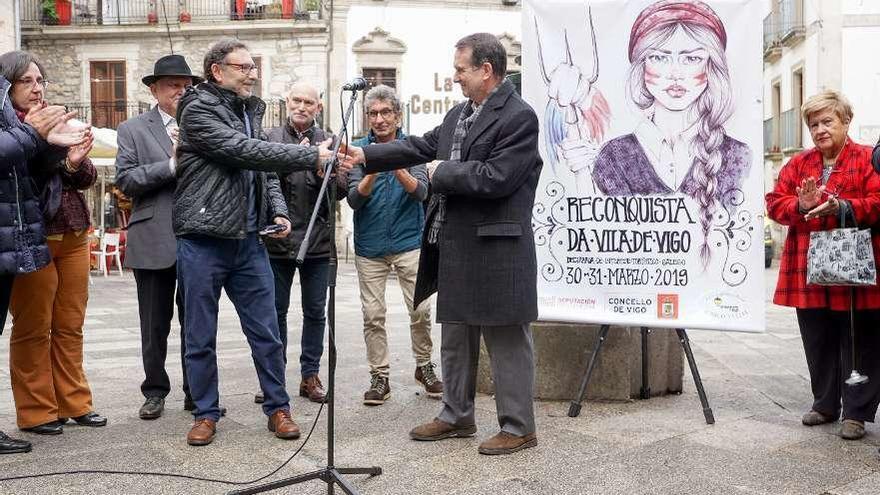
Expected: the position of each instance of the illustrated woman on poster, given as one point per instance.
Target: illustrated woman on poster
(679, 78)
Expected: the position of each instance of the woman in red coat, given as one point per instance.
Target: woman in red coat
(813, 187)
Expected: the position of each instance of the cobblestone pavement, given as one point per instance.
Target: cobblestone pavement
(757, 385)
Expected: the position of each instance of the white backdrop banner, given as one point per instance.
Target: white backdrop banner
(650, 206)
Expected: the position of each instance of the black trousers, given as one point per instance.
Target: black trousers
(828, 349)
(156, 297)
(5, 294)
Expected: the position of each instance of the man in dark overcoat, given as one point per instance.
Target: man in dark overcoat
(478, 250)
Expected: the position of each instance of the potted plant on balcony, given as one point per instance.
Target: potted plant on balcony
(273, 10)
(50, 14)
(56, 12)
(313, 7)
(152, 16)
(184, 15)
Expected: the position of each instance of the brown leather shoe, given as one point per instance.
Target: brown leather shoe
(438, 430)
(312, 388)
(202, 432)
(426, 377)
(506, 443)
(284, 427)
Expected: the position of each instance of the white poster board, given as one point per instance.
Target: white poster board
(650, 207)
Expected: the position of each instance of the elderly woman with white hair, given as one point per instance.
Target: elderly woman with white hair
(813, 189)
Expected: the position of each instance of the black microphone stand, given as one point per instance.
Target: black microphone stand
(330, 474)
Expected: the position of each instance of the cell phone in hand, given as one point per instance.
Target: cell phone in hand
(272, 229)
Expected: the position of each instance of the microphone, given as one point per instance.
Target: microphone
(356, 84)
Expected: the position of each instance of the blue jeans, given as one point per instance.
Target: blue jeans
(241, 267)
(313, 289)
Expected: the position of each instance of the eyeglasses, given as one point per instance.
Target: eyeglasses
(386, 113)
(243, 68)
(33, 83)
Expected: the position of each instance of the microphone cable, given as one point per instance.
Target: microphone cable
(175, 475)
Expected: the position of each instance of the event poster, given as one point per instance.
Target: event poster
(650, 207)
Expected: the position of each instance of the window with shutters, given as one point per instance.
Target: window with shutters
(109, 102)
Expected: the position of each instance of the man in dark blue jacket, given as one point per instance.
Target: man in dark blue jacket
(388, 219)
(227, 193)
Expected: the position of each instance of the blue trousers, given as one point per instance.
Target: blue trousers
(313, 289)
(241, 267)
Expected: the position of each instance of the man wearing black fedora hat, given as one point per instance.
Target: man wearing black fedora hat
(145, 164)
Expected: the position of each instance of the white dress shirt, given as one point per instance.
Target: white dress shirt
(671, 156)
(170, 124)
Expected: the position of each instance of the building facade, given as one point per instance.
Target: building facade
(810, 46)
(96, 51)
(8, 26)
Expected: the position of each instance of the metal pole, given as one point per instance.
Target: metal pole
(686, 345)
(16, 18)
(103, 188)
(645, 391)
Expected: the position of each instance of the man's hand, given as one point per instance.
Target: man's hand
(283, 233)
(809, 194)
(76, 154)
(46, 117)
(351, 156)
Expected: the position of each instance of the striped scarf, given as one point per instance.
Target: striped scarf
(466, 118)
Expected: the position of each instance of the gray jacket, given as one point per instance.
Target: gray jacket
(143, 174)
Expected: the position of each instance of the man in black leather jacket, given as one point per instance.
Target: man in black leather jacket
(300, 190)
(227, 192)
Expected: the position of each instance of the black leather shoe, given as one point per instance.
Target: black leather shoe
(90, 419)
(259, 398)
(152, 408)
(50, 428)
(189, 405)
(9, 445)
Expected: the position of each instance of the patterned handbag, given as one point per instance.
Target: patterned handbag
(841, 256)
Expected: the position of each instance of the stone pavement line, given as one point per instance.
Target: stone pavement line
(659, 446)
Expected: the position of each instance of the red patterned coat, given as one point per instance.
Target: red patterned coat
(854, 180)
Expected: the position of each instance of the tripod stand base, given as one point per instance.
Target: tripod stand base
(331, 476)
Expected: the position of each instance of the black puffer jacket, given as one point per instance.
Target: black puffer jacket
(300, 190)
(212, 156)
(22, 232)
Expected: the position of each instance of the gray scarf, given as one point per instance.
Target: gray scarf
(466, 118)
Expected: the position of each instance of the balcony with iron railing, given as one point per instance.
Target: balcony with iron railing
(110, 114)
(144, 12)
(791, 135)
(772, 44)
(792, 28)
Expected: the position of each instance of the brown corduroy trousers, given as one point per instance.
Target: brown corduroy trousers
(46, 347)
